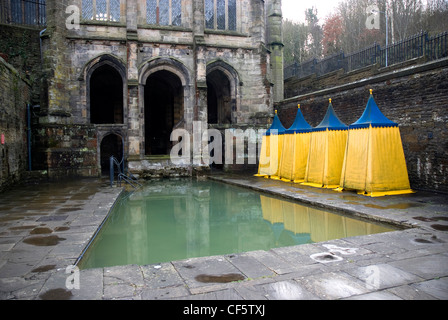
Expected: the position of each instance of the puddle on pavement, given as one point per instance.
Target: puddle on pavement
(43, 241)
(325, 257)
(225, 278)
(432, 219)
(400, 206)
(422, 241)
(56, 294)
(10, 218)
(52, 218)
(67, 210)
(350, 197)
(440, 227)
(44, 268)
(82, 196)
(21, 228)
(432, 240)
(41, 231)
(58, 229)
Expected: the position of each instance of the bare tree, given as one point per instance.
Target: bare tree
(406, 17)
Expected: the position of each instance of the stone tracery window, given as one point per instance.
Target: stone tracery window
(220, 14)
(101, 10)
(164, 12)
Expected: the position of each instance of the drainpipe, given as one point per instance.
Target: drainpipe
(40, 41)
(28, 114)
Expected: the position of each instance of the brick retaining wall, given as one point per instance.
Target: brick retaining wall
(14, 96)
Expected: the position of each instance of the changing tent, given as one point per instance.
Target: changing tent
(296, 145)
(327, 150)
(374, 163)
(271, 149)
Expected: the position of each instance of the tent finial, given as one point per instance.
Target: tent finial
(329, 100)
(275, 111)
(371, 91)
(298, 105)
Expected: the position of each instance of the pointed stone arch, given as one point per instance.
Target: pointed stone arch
(166, 100)
(111, 144)
(223, 84)
(105, 87)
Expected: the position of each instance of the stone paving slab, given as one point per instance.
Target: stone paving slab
(44, 229)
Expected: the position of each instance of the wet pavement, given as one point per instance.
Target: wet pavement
(45, 228)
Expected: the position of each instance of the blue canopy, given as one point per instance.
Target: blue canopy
(276, 125)
(372, 116)
(331, 121)
(300, 125)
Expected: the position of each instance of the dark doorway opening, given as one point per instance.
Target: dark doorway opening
(111, 145)
(219, 101)
(106, 96)
(163, 110)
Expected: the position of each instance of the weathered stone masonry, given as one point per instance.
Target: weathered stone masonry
(15, 95)
(219, 75)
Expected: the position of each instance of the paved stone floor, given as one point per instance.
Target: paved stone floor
(44, 228)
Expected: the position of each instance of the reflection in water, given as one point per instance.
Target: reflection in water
(173, 220)
(316, 225)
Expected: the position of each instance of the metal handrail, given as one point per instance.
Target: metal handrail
(419, 45)
(131, 179)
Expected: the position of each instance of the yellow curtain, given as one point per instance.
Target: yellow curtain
(276, 150)
(301, 150)
(270, 156)
(287, 160)
(294, 156)
(326, 158)
(375, 164)
(264, 156)
(356, 159)
(388, 174)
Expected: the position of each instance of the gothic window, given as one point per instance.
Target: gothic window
(164, 12)
(210, 14)
(101, 10)
(220, 14)
(23, 12)
(231, 14)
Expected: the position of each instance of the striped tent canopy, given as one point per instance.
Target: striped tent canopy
(296, 144)
(327, 149)
(374, 163)
(271, 149)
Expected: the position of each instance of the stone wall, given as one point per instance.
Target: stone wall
(70, 150)
(415, 97)
(188, 52)
(21, 45)
(14, 97)
(298, 86)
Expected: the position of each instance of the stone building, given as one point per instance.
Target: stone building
(120, 76)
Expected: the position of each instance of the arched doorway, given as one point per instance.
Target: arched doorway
(111, 145)
(106, 96)
(219, 100)
(163, 110)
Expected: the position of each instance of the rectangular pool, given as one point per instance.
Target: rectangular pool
(179, 219)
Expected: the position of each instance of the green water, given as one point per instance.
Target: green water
(174, 220)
